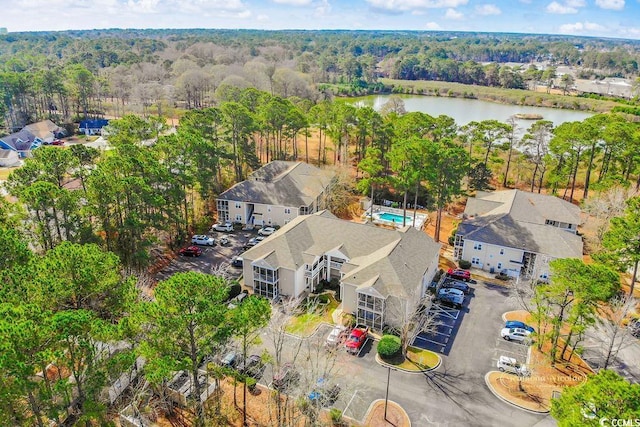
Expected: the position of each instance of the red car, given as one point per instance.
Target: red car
(459, 274)
(57, 142)
(357, 339)
(190, 251)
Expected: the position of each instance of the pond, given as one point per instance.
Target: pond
(464, 111)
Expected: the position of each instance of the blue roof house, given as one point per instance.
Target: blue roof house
(92, 127)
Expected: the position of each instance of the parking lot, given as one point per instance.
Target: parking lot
(446, 322)
(212, 257)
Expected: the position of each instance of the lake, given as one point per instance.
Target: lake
(464, 111)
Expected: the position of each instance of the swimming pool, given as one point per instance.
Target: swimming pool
(387, 216)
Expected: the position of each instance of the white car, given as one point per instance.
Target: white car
(201, 239)
(336, 336)
(515, 334)
(266, 231)
(227, 226)
(511, 365)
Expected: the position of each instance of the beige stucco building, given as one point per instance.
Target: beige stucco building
(517, 232)
(383, 273)
(275, 194)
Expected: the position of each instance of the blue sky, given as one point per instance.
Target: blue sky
(601, 18)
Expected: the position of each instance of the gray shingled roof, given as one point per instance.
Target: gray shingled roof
(20, 141)
(281, 183)
(392, 262)
(516, 219)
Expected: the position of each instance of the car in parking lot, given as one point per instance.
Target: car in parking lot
(266, 231)
(454, 284)
(356, 339)
(224, 241)
(518, 324)
(226, 227)
(253, 241)
(285, 376)
(229, 359)
(452, 297)
(251, 366)
(459, 274)
(336, 336)
(515, 334)
(190, 251)
(511, 365)
(236, 261)
(203, 239)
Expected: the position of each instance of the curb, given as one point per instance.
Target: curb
(366, 414)
(395, 368)
(505, 400)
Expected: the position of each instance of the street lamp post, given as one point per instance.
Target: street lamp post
(386, 396)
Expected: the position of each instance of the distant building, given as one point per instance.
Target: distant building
(21, 142)
(92, 127)
(3, 30)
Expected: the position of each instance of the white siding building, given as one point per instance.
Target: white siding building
(383, 273)
(275, 194)
(517, 232)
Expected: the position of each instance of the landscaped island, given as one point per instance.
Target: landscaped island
(528, 116)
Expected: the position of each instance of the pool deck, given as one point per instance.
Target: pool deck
(378, 210)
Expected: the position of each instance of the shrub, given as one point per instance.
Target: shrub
(389, 346)
(234, 290)
(323, 298)
(464, 264)
(335, 415)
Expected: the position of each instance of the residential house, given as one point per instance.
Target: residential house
(92, 127)
(9, 158)
(46, 131)
(517, 232)
(383, 273)
(21, 142)
(275, 194)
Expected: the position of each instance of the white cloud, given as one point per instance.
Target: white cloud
(561, 9)
(262, 18)
(580, 27)
(226, 8)
(611, 4)
(404, 5)
(488, 9)
(143, 6)
(432, 26)
(293, 2)
(453, 14)
(575, 3)
(324, 8)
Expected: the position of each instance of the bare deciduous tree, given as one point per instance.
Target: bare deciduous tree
(611, 326)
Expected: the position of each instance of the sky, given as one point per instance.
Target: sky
(598, 18)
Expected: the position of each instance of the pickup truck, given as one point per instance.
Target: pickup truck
(356, 339)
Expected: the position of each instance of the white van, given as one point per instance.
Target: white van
(511, 365)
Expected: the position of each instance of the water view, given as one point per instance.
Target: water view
(464, 111)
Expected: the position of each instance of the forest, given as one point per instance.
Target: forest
(66, 76)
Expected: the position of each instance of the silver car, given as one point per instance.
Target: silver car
(201, 239)
(515, 334)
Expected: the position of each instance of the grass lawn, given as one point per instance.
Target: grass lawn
(305, 323)
(4, 173)
(417, 360)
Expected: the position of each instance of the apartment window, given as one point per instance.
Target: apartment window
(499, 266)
(287, 210)
(269, 221)
(238, 205)
(477, 246)
(239, 218)
(370, 311)
(268, 208)
(475, 261)
(501, 251)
